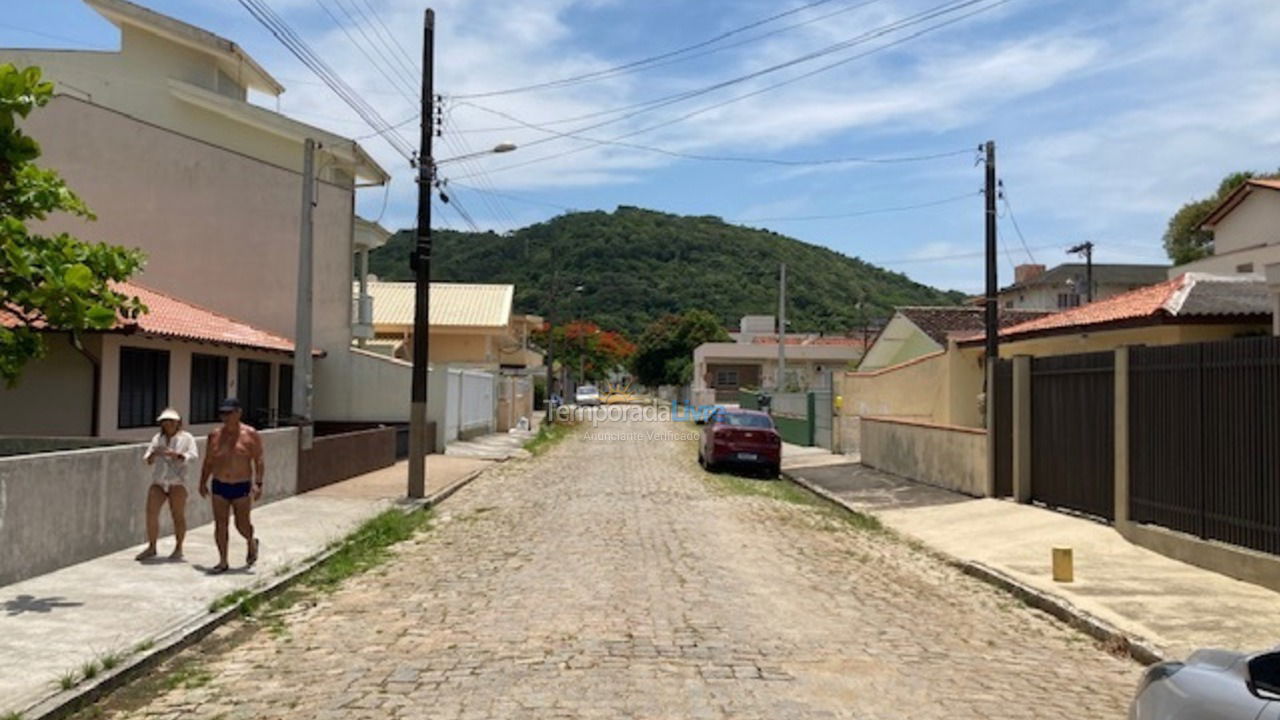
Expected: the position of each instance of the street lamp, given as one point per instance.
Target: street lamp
(421, 261)
(502, 147)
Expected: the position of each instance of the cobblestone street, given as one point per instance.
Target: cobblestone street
(611, 577)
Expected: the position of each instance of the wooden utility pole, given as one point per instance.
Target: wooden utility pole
(422, 270)
(1086, 249)
(992, 301)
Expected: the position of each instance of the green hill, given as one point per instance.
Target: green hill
(636, 265)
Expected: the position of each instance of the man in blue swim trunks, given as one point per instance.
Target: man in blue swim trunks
(234, 461)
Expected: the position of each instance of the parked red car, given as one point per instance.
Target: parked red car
(741, 438)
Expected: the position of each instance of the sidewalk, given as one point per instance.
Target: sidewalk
(55, 623)
(1173, 606)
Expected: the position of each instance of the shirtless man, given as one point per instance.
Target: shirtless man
(234, 461)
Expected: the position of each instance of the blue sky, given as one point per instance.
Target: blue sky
(1107, 114)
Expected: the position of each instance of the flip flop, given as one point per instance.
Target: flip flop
(145, 555)
(252, 556)
(218, 569)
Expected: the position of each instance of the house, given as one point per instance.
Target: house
(177, 355)
(1065, 286)
(1246, 238)
(161, 142)
(1192, 307)
(721, 369)
(913, 332)
(471, 324)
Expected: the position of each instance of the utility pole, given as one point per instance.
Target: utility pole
(302, 328)
(1086, 249)
(992, 302)
(551, 343)
(422, 269)
(782, 328)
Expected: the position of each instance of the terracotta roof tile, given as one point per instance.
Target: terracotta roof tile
(178, 319)
(943, 323)
(1189, 294)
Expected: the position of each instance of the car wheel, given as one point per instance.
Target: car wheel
(773, 471)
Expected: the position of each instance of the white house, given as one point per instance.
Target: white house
(1246, 237)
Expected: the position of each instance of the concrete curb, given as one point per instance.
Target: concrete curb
(1135, 647)
(197, 627)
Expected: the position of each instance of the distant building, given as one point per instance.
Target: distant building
(914, 332)
(1065, 286)
(1246, 238)
(720, 370)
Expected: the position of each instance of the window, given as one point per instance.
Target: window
(1068, 300)
(144, 386)
(1245, 268)
(208, 386)
(284, 393)
(253, 389)
(727, 378)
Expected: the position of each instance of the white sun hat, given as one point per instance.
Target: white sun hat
(169, 414)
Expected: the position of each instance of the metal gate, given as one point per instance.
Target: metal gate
(1073, 432)
(1002, 432)
(1204, 457)
(820, 407)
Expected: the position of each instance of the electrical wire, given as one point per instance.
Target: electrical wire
(1009, 210)
(728, 158)
(394, 81)
(643, 61)
(303, 52)
(413, 64)
(754, 93)
(515, 198)
(862, 213)
(957, 256)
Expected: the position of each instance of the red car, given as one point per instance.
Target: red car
(743, 438)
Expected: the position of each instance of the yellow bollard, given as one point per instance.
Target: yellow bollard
(1063, 565)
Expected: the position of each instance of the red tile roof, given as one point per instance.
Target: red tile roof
(178, 319)
(1189, 294)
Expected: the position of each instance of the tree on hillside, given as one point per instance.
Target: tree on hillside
(47, 282)
(665, 352)
(1184, 240)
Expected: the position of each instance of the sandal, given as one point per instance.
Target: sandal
(145, 554)
(219, 569)
(252, 556)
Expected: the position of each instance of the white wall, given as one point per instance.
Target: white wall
(54, 397)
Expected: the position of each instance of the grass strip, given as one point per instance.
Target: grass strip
(548, 435)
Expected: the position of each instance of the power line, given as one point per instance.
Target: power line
(1009, 211)
(303, 52)
(738, 98)
(935, 258)
(394, 80)
(516, 198)
(861, 213)
(643, 61)
(409, 59)
(726, 158)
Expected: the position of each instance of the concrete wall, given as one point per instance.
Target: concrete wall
(55, 394)
(945, 456)
(58, 509)
(915, 389)
(360, 385)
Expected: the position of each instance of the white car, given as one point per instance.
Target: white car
(587, 395)
(1211, 685)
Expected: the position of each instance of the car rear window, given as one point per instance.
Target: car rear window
(587, 389)
(744, 420)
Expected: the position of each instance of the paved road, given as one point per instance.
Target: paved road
(611, 578)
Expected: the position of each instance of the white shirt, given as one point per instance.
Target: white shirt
(166, 471)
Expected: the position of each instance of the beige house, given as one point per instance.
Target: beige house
(472, 324)
(1246, 238)
(914, 332)
(161, 142)
(1065, 286)
(721, 369)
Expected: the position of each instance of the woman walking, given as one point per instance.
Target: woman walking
(169, 454)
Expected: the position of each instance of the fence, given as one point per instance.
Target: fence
(61, 508)
(1204, 437)
(1073, 432)
(334, 458)
(791, 414)
(471, 404)
(515, 400)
